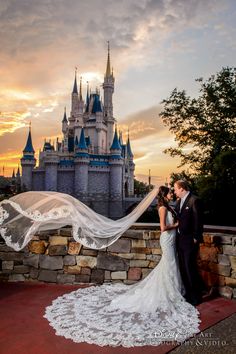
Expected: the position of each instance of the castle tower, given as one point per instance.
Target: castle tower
(97, 109)
(79, 122)
(28, 163)
(115, 163)
(87, 99)
(51, 161)
(18, 180)
(131, 168)
(81, 168)
(116, 186)
(81, 101)
(74, 102)
(108, 87)
(65, 130)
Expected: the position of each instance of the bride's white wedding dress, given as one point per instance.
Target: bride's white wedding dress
(149, 312)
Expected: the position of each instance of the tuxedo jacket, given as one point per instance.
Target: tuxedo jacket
(190, 219)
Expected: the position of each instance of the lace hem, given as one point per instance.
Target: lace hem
(85, 315)
(36, 215)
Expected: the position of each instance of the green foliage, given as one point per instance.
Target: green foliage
(141, 188)
(205, 131)
(206, 124)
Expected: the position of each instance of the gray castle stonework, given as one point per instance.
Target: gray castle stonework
(91, 162)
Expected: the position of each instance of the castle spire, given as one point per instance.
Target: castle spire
(129, 151)
(64, 117)
(80, 89)
(76, 141)
(75, 90)
(29, 145)
(82, 142)
(108, 69)
(18, 171)
(120, 138)
(115, 144)
(87, 98)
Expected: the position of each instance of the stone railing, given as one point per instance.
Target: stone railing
(55, 257)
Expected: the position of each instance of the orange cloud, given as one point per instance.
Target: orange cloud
(142, 123)
(11, 121)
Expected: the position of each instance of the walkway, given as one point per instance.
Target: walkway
(24, 330)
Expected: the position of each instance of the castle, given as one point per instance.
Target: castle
(91, 162)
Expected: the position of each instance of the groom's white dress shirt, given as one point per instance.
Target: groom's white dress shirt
(182, 200)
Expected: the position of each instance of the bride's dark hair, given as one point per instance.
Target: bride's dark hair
(161, 196)
(161, 199)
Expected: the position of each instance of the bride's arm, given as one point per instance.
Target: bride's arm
(162, 214)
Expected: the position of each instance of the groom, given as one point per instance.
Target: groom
(189, 235)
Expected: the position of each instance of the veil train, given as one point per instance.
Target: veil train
(27, 213)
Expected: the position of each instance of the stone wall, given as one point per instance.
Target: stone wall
(55, 257)
(217, 262)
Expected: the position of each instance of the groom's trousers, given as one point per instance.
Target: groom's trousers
(187, 254)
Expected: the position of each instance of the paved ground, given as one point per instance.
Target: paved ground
(218, 339)
(23, 330)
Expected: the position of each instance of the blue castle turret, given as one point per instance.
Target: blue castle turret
(130, 167)
(28, 163)
(81, 168)
(116, 167)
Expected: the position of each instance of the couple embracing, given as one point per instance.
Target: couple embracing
(188, 225)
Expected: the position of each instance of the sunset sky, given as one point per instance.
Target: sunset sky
(156, 45)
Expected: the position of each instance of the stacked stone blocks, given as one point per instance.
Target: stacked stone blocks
(57, 258)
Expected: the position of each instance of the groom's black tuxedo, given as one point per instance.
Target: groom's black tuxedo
(190, 219)
(190, 228)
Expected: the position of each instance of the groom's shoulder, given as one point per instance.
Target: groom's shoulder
(195, 200)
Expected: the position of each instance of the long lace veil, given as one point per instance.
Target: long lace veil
(27, 213)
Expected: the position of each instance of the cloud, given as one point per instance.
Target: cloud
(143, 123)
(149, 138)
(11, 121)
(43, 41)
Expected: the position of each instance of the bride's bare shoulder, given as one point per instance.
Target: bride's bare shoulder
(162, 209)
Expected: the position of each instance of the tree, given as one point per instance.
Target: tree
(204, 129)
(206, 124)
(141, 188)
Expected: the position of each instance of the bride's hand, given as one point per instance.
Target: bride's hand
(176, 224)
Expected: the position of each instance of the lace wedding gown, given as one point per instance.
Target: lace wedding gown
(149, 312)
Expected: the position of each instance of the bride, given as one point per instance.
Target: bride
(149, 312)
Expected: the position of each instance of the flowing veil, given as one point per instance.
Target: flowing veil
(27, 213)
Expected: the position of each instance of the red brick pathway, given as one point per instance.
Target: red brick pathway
(23, 330)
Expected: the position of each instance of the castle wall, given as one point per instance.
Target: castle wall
(103, 141)
(38, 181)
(116, 186)
(98, 184)
(65, 181)
(81, 179)
(51, 177)
(26, 179)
